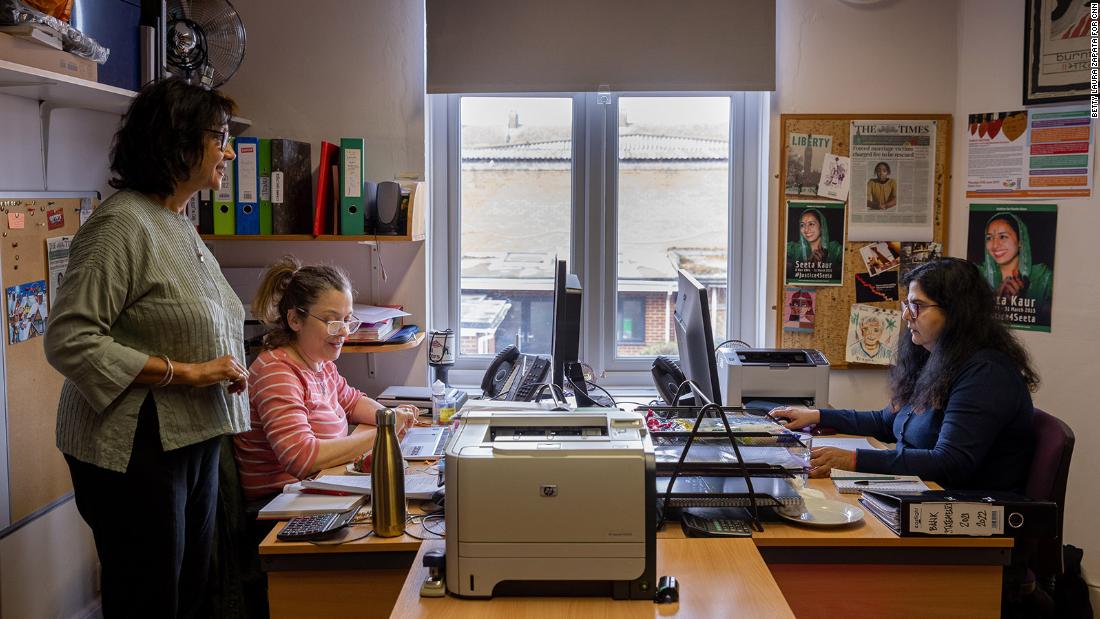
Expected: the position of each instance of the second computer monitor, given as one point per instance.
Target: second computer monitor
(694, 337)
(566, 339)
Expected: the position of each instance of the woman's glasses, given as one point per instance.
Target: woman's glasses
(335, 326)
(223, 135)
(915, 307)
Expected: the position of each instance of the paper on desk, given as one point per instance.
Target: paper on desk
(374, 313)
(850, 444)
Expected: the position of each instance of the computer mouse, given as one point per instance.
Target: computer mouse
(668, 590)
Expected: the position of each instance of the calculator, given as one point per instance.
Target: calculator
(319, 526)
(718, 524)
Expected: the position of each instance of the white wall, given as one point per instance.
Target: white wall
(326, 69)
(990, 41)
(893, 57)
(47, 568)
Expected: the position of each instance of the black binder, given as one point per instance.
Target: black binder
(1019, 516)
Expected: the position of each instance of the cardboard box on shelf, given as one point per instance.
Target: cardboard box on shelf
(32, 54)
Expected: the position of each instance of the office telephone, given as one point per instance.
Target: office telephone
(514, 376)
(667, 377)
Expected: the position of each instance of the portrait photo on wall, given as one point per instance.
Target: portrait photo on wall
(815, 243)
(805, 159)
(914, 254)
(27, 311)
(872, 335)
(800, 309)
(1013, 245)
(881, 256)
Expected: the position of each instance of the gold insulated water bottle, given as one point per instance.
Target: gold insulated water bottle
(388, 509)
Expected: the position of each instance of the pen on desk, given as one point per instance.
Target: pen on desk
(858, 478)
(867, 482)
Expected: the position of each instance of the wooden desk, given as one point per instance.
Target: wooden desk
(858, 570)
(702, 566)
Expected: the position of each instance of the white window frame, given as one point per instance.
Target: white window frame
(593, 236)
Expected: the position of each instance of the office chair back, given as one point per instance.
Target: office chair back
(1047, 482)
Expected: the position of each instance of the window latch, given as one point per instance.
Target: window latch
(603, 95)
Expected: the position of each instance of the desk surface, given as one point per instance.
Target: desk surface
(701, 566)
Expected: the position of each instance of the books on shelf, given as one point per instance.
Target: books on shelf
(379, 322)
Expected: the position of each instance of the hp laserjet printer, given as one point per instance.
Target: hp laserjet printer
(781, 375)
(544, 503)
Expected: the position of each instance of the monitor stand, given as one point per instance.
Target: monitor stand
(575, 376)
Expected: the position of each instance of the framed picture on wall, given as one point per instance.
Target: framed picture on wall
(1056, 51)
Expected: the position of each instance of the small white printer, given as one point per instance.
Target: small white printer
(781, 375)
(546, 502)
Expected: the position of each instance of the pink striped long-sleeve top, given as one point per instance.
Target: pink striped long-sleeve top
(292, 409)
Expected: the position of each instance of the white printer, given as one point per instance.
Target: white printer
(781, 375)
(547, 502)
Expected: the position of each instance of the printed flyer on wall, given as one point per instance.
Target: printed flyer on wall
(893, 168)
(805, 159)
(1013, 246)
(1042, 153)
(815, 243)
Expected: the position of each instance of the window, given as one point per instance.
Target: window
(627, 187)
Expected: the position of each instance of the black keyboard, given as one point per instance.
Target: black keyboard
(531, 380)
(320, 526)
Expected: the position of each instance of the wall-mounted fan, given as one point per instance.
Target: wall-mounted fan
(204, 40)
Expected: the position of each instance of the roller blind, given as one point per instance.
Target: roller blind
(489, 46)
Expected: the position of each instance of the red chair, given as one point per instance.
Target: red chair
(1047, 482)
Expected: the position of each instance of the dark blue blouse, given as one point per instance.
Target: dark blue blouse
(982, 439)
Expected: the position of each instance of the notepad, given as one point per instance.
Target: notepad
(846, 482)
(288, 505)
(417, 486)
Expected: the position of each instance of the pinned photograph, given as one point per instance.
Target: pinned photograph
(881, 256)
(872, 335)
(835, 177)
(800, 311)
(915, 254)
(27, 311)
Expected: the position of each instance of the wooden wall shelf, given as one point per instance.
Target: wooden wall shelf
(360, 238)
(360, 348)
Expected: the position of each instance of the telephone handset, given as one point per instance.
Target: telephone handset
(668, 377)
(515, 375)
(500, 370)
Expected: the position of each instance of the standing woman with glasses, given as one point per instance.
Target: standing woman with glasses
(960, 408)
(300, 404)
(149, 337)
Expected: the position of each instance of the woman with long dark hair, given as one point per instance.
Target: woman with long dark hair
(960, 409)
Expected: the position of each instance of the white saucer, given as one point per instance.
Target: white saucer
(823, 513)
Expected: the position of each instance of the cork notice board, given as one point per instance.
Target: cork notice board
(833, 303)
(37, 471)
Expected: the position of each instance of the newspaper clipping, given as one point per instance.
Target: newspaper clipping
(893, 165)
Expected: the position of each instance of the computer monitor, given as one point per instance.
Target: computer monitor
(694, 337)
(566, 338)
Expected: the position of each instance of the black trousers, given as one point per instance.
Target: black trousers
(153, 525)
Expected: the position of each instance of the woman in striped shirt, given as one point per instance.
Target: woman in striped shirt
(300, 404)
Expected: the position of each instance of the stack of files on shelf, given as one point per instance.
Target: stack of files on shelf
(378, 322)
(290, 504)
(851, 482)
(971, 513)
